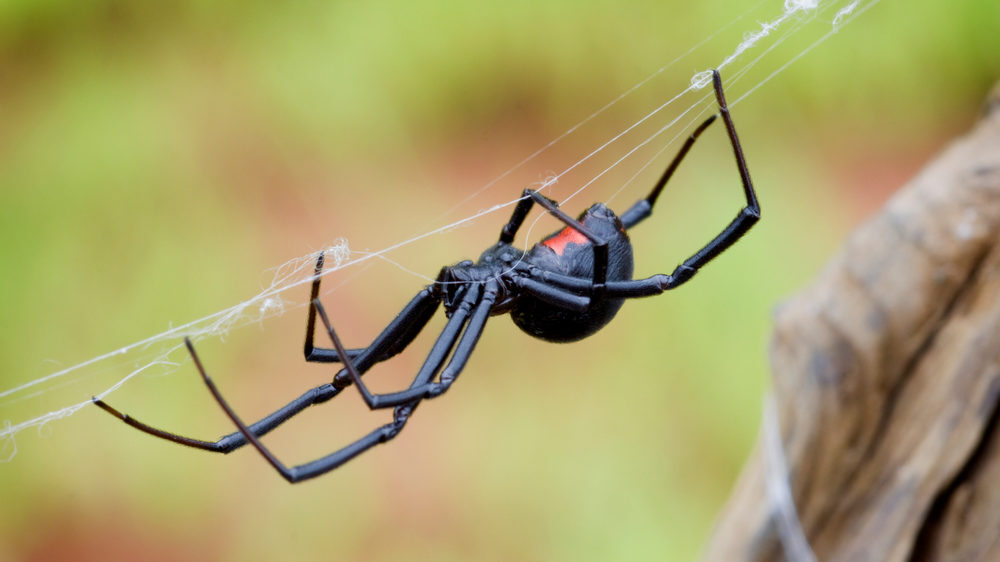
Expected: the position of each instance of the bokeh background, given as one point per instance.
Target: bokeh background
(157, 160)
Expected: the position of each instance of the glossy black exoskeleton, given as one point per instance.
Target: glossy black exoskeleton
(565, 288)
(568, 253)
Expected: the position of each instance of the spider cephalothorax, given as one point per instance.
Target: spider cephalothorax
(565, 288)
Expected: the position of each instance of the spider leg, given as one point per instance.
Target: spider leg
(745, 219)
(292, 475)
(381, 434)
(400, 333)
(747, 216)
(413, 319)
(568, 297)
(576, 293)
(467, 344)
(644, 207)
(570, 292)
(423, 385)
(312, 353)
(235, 440)
(432, 365)
(599, 245)
(510, 229)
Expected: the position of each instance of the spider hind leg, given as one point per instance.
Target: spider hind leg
(476, 301)
(233, 441)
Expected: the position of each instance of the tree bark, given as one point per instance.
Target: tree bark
(886, 384)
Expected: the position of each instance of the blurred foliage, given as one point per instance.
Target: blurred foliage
(156, 158)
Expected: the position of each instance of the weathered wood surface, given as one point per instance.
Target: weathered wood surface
(886, 376)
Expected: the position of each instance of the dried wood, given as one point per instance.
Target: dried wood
(886, 380)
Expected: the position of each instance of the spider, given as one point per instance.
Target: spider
(567, 287)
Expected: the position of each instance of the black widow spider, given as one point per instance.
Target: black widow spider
(565, 288)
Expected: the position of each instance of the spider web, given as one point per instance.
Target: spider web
(634, 148)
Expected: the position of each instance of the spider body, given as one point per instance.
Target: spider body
(565, 288)
(570, 253)
(566, 252)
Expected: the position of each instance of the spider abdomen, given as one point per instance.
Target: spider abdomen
(559, 325)
(569, 252)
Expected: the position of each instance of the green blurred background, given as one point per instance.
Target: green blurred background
(157, 159)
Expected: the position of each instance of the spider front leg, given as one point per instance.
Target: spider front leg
(745, 219)
(575, 293)
(644, 207)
